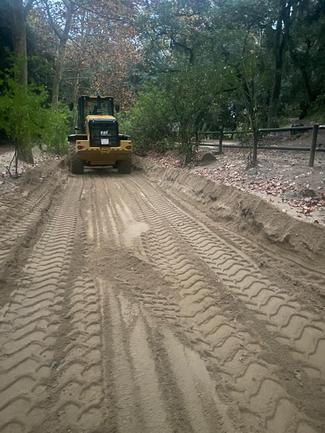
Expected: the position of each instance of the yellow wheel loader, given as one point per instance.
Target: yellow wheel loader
(97, 141)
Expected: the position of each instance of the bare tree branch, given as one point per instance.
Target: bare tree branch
(28, 6)
(116, 18)
(68, 21)
(51, 20)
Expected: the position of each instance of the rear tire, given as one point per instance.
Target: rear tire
(76, 165)
(124, 167)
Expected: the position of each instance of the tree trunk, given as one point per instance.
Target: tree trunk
(75, 99)
(18, 29)
(306, 80)
(302, 64)
(58, 73)
(255, 144)
(76, 86)
(63, 39)
(25, 154)
(19, 37)
(280, 46)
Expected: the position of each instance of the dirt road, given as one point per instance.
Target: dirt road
(130, 312)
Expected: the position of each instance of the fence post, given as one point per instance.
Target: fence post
(313, 146)
(220, 140)
(255, 144)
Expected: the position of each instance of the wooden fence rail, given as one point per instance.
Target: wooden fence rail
(220, 134)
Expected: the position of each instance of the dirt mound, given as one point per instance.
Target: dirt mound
(251, 215)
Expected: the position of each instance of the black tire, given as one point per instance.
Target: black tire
(124, 167)
(76, 165)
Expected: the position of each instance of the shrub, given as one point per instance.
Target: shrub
(149, 120)
(54, 130)
(27, 120)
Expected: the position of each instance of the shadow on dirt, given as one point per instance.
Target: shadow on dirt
(103, 172)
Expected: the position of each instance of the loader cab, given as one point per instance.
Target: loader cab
(93, 106)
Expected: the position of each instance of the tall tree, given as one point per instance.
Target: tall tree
(285, 17)
(60, 15)
(18, 12)
(107, 35)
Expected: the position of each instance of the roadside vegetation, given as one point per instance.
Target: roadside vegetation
(239, 64)
(27, 120)
(175, 68)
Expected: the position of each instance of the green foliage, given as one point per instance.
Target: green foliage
(54, 129)
(27, 120)
(40, 70)
(21, 112)
(149, 121)
(178, 106)
(240, 62)
(191, 66)
(317, 110)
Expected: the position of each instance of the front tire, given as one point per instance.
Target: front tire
(124, 167)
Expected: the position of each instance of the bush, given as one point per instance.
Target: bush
(20, 116)
(148, 121)
(27, 120)
(171, 112)
(55, 130)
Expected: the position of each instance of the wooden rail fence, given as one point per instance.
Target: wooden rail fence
(220, 134)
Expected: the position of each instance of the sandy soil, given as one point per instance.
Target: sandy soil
(281, 177)
(6, 155)
(129, 309)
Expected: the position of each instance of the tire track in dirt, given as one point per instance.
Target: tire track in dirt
(269, 247)
(304, 282)
(78, 388)
(225, 342)
(269, 393)
(141, 378)
(148, 375)
(21, 216)
(127, 319)
(160, 304)
(30, 322)
(78, 402)
(296, 327)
